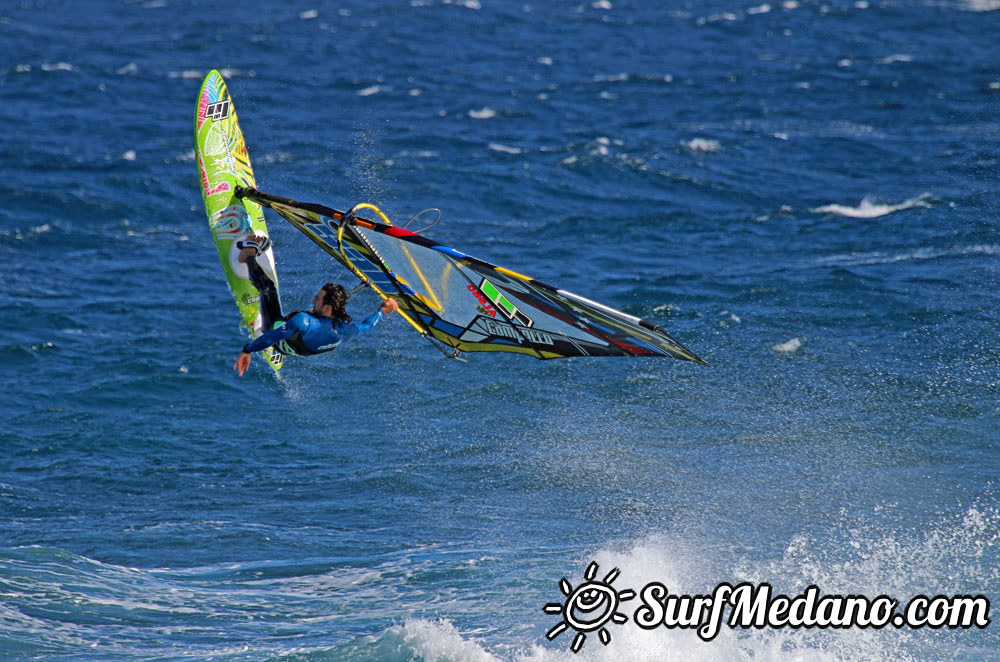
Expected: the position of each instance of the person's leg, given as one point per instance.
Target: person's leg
(270, 304)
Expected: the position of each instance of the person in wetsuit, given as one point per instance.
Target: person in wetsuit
(301, 333)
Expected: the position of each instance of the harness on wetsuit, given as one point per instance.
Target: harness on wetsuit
(295, 344)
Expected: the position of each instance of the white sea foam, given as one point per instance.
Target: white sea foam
(880, 257)
(706, 145)
(188, 74)
(308, 14)
(19, 234)
(468, 4)
(855, 555)
(420, 154)
(893, 59)
(602, 148)
(870, 209)
(948, 556)
(981, 5)
(371, 90)
(483, 114)
(275, 157)
(194, 74)
(684, 569)
(440, 640)
(715, 18)
(788, 347)
(505, 149)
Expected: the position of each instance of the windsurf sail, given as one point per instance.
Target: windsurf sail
(463, 304)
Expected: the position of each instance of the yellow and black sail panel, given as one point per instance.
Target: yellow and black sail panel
(466, 303)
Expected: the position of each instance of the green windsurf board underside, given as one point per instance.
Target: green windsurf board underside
(223, 164)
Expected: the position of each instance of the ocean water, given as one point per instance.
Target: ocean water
(804, 193)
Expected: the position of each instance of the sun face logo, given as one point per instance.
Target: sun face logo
(589, 607)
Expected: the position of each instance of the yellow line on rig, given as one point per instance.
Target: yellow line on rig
(430, 300)
(365, 279)
(513, 274)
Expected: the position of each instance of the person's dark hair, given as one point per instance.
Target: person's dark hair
(335, 295)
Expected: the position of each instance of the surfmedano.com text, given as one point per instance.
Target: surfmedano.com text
(755, 606)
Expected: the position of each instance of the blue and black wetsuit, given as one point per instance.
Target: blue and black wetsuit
(299, 333)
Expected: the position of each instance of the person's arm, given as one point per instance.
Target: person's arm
(355, 329)
(273, 337)
(370, 322)
(265, 340)
(352, 330)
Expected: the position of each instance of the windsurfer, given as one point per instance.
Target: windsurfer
(301, 333)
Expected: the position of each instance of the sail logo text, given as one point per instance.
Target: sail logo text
(516, 333)
(218, 110)
(487, 305)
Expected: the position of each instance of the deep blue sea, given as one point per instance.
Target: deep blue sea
(805, 193)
